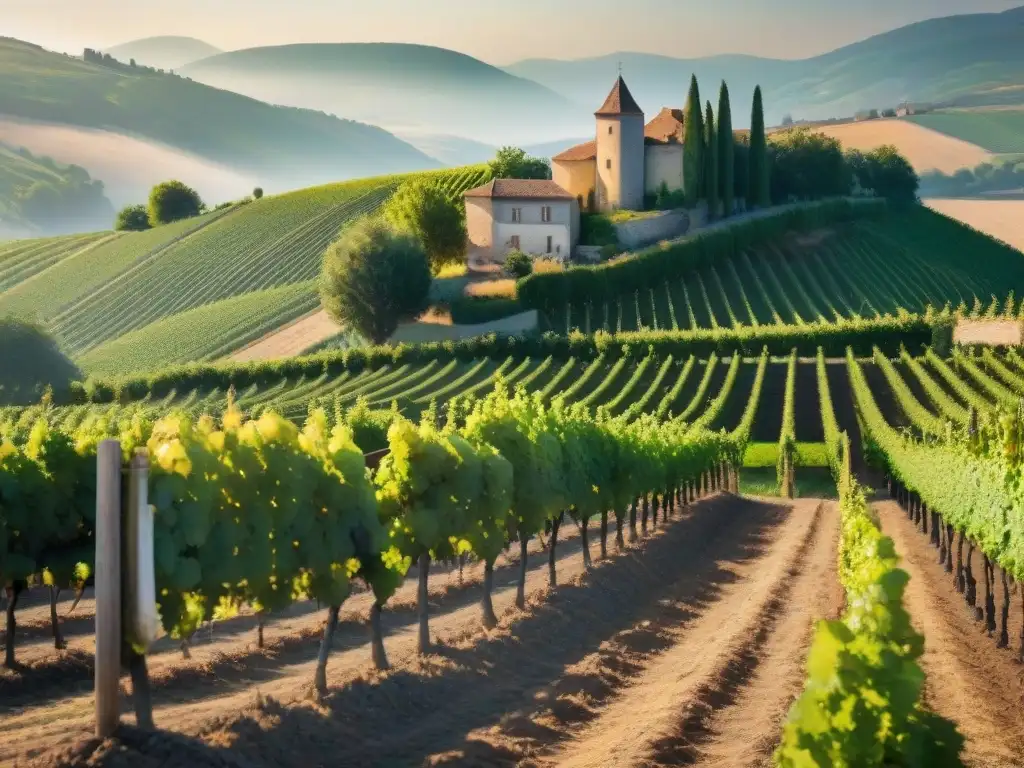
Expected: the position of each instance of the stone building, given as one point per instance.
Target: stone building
(627, 158)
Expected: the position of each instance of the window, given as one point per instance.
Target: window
(517, 214)
(550, 243)
(515, 242)
(608, 163)
(609, 130)
(545, 213)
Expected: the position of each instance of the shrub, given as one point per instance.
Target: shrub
(173, 201)
(597, 229)
(518, 264)
(40, 363)
(257, 193)
(374, 278)
(474, 310)
(132, 218)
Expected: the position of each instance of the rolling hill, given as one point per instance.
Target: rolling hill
(285, 147)
(196, 289)
(166, 52)
(38, 195)
(968, 57)
(399, 86)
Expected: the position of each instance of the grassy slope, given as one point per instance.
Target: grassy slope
(272, 242)
(998, 130)
(226, 127)
(201, 334)
(135, 281)
(70, 280)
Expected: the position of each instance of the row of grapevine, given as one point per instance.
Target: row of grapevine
(864, 669)
(787, 434)
(260, 512)
(966, 486)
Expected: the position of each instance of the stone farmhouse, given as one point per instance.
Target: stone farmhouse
(627, 160)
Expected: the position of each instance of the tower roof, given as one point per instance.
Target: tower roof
(619, 102)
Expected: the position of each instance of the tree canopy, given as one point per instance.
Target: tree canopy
(132, 218)
(806, 165)
(374, 278)
(514, 163)
(30, 361)
(886, 172)
(758, 188)
(693, 145)
(711, 161)
(726, 151)
(434, 218)
(173, 200)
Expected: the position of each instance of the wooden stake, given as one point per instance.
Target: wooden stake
(108, 587)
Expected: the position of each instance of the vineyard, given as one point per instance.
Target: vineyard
(822, 276)
(90, 296)
(661, 421)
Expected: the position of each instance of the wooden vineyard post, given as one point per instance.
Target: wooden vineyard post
(108, 587)
(140, 621)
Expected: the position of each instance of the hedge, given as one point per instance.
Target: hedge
(888, 333)
(550, 291)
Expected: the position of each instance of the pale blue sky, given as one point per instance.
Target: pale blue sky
(498, 31)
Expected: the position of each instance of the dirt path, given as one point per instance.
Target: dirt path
(969, 680)
(291, 339)
(719, 694)
(510, 696)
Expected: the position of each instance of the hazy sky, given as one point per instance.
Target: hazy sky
(493, 30)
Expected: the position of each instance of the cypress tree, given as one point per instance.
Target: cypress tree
(757, 189)
(711, 161)
(693, 145)
(726, 151)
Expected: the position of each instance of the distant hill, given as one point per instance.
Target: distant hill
(970, 59)
(166, 52)
(450, 150)
(286, 147)
(41, 196)
(401, 87)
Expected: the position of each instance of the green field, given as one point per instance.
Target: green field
(132, 282)
(998, 130)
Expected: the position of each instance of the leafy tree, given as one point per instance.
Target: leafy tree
(70, 204)
(132, 218)
(374, 278)
(787, 120)
(711, 161)
(514, 163)
(172, 201)
(693, 145)
(887, 172)
(40, 363)
(433, 217)
(758, 190)
(806, 165)
(726, 151)
(518, 264)
(257, 193)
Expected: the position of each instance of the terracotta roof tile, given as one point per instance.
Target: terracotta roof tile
(619, 102)
(585, 151)
(667, 127)
(541, 189)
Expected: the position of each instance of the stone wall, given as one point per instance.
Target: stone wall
(663, 226)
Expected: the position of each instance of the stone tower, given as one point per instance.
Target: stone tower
(620, 151)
